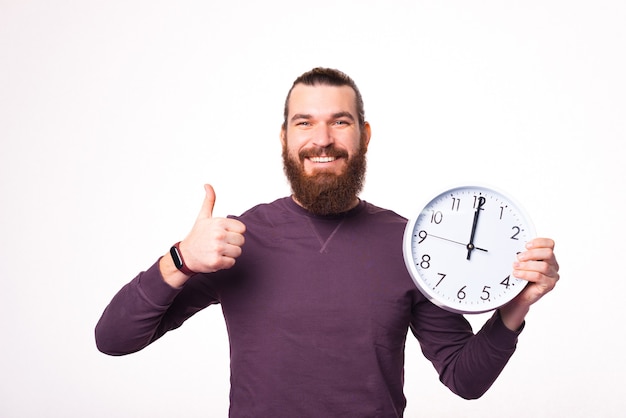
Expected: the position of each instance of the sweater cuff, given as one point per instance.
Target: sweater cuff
(155, 289)
(499, 335)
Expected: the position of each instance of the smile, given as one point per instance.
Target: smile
(322, 159)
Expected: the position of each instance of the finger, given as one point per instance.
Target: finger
(209, 202)
(236, 238)
(540, 243)
(536, 254)
(224, 256)
(232, 251)
(536, 271)
(229, 225)
(236, 226)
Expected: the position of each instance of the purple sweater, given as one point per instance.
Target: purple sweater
(317, 312)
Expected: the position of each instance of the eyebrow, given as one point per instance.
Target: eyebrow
(337, 115)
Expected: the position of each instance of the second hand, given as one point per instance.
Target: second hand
(456, 242)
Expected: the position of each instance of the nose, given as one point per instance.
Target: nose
(322, 136)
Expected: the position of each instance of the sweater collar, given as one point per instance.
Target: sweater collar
(294, 207)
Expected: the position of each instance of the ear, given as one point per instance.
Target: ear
(283, 136)
(366, 134)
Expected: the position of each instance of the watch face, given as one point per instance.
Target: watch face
(460, 249)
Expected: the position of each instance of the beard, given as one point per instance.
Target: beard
(325, 193)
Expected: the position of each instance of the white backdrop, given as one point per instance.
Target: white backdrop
(113, 115)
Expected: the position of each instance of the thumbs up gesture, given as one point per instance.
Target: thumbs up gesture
(212, 244)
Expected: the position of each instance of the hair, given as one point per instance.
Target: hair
(327, 77)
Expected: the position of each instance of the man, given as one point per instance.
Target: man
(318, 302)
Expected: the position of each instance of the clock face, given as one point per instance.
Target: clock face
(460, 249)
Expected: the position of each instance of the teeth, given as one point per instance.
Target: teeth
(322, 159)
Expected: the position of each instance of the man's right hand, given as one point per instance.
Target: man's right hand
(213, 244)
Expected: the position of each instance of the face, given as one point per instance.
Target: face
(324, 148)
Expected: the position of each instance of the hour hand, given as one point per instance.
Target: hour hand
(470, 245)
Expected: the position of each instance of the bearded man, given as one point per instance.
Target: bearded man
(325, 137)
(318, 302)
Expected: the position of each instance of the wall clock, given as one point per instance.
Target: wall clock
(460, 248)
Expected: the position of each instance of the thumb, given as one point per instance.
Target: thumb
(209, 201)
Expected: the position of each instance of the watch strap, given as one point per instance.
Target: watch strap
(179, 262)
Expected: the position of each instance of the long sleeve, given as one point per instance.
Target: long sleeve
(467, 364)
(145, 309)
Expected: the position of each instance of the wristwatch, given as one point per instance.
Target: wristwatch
(179, 262)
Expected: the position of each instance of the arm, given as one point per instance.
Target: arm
(162, 298)
(137, 315)
(467, 364)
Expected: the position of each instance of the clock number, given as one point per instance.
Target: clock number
(486, 294)
(461, 293)
(443, 276)
(506, 282)
(436, 217)
(425, 264)
(455, 203)
(502, 211)
(422, 234)
(479, 202)
(517, 231)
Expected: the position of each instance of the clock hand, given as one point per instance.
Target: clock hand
(470, 246)
(456, 242)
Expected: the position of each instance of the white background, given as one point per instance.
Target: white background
(114, 113)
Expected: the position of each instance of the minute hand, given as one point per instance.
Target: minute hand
(470, 246)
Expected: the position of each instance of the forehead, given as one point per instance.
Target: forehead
(322, 99)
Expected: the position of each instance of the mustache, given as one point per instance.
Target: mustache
(330, 151)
